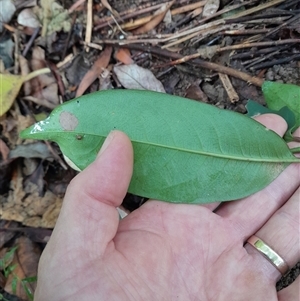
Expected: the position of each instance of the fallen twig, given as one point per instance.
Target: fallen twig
(31, 40)
(255, 9)
(198, 62)
(291, 20)
(89, 23)
(232, 95)
(131, 13)
(259, 44)
(277, 62)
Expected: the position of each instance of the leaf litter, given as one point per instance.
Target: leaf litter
(170, 46)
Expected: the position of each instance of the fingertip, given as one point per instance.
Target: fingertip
(273, 122)
(108, 177)
(121, 138)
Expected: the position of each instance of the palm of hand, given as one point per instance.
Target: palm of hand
(170, 248)
(161, 251)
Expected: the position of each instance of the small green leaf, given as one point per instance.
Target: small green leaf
(14, 283)
(9, 269)
(295, 150)
(184, 151)
(30, 279)
(6, 258)
(27, 289)
(279, 95)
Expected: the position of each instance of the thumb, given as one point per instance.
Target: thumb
(88, 216)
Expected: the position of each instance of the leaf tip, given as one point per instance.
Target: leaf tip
(26, 134)
(35, 131)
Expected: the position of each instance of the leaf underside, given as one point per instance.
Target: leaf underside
(184, 151)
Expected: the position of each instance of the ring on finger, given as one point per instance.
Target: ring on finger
(274, 258)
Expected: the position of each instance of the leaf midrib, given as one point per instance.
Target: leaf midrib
(222, 156)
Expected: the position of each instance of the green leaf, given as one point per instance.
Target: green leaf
(184, 151)
(27, 289)
(278, 95)
(11, 85)
(30, 279)
(295, 150)
(10, 269)
(7, 257)
(14, 283)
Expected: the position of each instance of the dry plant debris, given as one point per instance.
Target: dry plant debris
(217, 52)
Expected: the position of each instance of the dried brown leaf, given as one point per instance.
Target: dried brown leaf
(43, 87)
(196, 12)
(194, 92)
(25, 260)
(38, 61)
(24, 204)
(4, 150)
(12, 126)
(155, 20)
(78, 68)
(188, 7)
(123, 56)
(135, 77)
(25, 69)
(98, 67)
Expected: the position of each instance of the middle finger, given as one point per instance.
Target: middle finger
(248, 215)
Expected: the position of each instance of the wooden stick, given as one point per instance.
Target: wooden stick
(233, 96)
(186, 8)
(89, 24)
(259, 44)
(256, 9)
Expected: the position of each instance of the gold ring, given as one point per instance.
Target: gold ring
(278, 262)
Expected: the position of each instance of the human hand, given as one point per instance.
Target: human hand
(166, 251)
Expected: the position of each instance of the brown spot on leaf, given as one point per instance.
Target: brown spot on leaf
(68, 121)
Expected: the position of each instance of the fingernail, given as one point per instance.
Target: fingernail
(106, 143)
